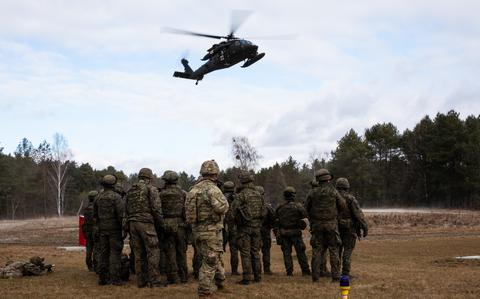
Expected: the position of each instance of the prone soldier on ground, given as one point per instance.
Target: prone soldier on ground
(144, 216)
(34, 267)
(290, 221)
(205, 210)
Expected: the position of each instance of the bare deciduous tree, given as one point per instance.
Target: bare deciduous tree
(245, 155)
(60, 156)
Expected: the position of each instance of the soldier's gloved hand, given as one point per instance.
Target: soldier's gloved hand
(365, 233)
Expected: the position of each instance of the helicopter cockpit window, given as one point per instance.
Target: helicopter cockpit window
(245, 42)
(237, 43)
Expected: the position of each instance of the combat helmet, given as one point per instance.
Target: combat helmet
(145, 173)
(170, 176)
(260, 189)
(245, 177)
(342, 183)
(209, 167)
(92, 194)
(323, 175)
(289, 192)
(229, 186)
(109, 180)
(36, 260)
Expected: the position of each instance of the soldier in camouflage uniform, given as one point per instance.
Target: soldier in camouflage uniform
(87, 229)
(322, 208)
(350, 222)
(249, 212)
(144, 215)
(290, 223)
(229, 192)
(173, 206)
(205, 210)
(34, 267)
(266, 232)
(108, 213)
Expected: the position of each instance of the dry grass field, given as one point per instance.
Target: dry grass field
(407, 255)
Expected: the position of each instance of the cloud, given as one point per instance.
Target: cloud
(101, 74)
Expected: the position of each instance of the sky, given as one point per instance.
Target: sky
(100, 73)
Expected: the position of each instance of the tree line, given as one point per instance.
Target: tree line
(435, 164)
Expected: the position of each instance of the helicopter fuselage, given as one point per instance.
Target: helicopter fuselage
(223, 55)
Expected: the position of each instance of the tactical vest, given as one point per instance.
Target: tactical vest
(106, 209)
(138, 203)
(251, 208)
(204, 209)
(323, 206)
(288, 215)
(173, 202)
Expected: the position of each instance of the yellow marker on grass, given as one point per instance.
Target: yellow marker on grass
(344, 286)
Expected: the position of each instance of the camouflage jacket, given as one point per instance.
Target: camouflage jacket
(349, 213)
(109, 211)
(322, 203)
(143, 204)
(249, 209)
(289, 214)
(269, 220)
(229, 220)
(205, 207)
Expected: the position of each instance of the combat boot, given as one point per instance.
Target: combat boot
(306, 272)
(118, 283)
(244, 282)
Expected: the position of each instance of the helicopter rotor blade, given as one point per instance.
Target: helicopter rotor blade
(274, 37)
(238, 18)
(186, 32)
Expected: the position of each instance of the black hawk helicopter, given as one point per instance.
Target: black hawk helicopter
(224, 54)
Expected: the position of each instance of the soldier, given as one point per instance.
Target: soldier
(290, 221)
(87, 229)
(322, 208)
(144, 216)
(249, 212)
(173, 206)
(108, 213)
(350, 222)
(205, 210)
(266, 232)
(34, 267)
(229, 192)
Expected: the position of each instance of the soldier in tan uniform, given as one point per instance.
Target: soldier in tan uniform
(205, 211)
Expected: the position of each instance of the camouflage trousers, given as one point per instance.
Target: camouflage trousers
(110, 252)
(211, 273)
(233, 246)
(176, 255)
(95, 251)
(266, 246)
(325, 235)
(249, 243)
(294, 239)
(348, 237)
(146, 252)
(89, 257)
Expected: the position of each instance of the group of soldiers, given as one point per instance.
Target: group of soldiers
(161, 222)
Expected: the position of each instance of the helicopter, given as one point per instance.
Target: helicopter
(230, 51)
